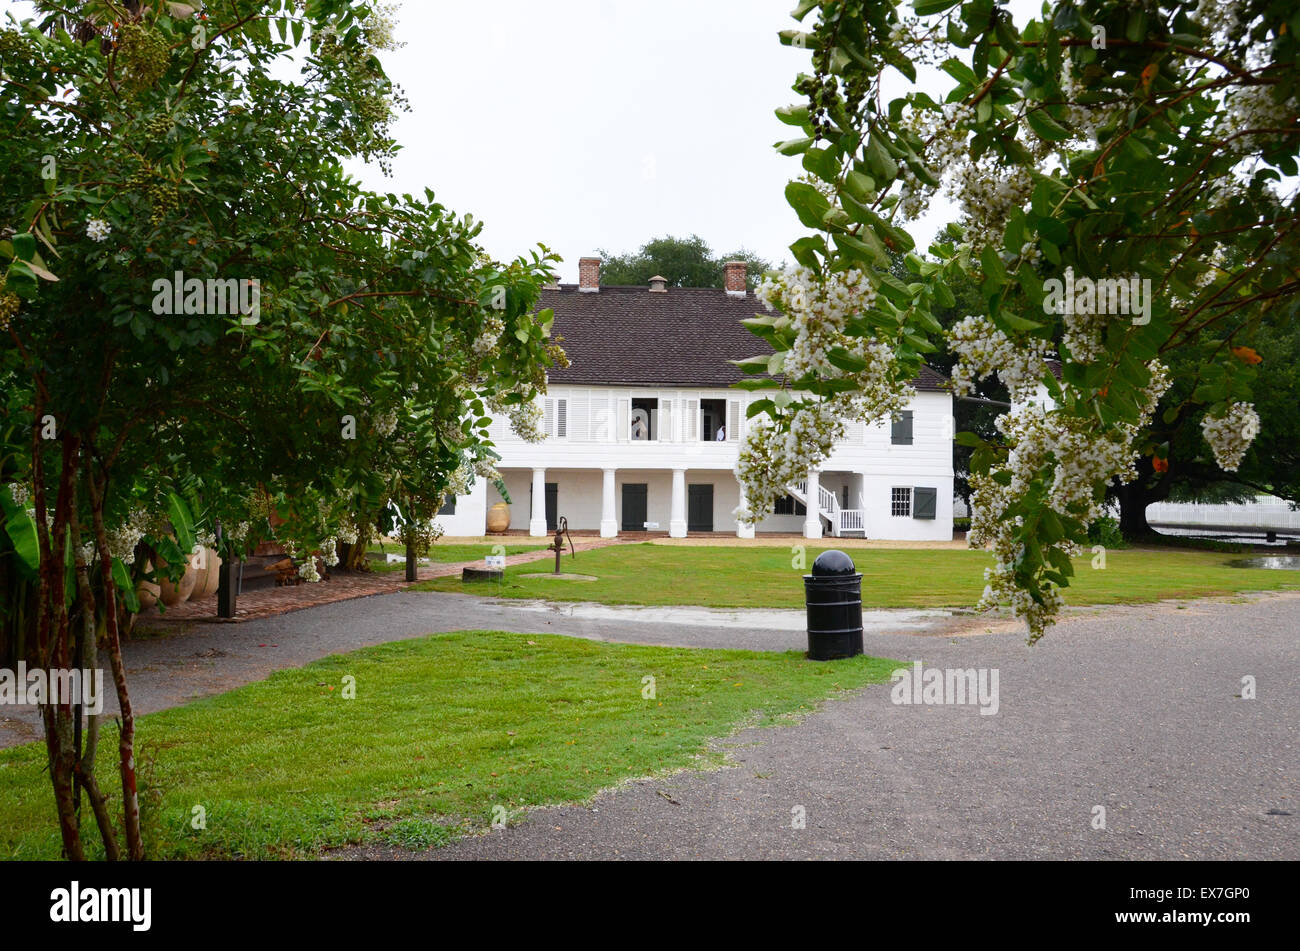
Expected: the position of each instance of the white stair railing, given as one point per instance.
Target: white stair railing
(828, 504)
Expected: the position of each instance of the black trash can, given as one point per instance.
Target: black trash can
(834, 597)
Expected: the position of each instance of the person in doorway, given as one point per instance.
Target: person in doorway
(639, 428)
(722, 434)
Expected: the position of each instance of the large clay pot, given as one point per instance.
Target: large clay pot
(498, 519)
(147, 591)
(175, 593)
(209, 576)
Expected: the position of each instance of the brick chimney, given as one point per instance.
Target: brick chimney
(658, 285)
(589, 275)
(734, 272)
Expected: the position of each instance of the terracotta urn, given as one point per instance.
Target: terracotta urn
(498, 519)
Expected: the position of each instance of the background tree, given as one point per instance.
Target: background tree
(145, 151)
(684, 262)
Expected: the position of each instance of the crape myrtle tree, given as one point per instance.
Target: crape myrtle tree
(211, 334)
(1125, 173)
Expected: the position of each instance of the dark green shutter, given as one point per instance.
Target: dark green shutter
(923, 502)
(900, 433)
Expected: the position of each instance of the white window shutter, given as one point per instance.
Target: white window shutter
(667, 422)
(562, 418)
(692, 422)
(624, 433)
(548, 417)
(579, 417)
(600, 419)
(733, 420)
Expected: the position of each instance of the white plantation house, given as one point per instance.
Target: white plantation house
(643, 431)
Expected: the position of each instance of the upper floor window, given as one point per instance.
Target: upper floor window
(644, 424)
(900, 433)
(713, 420)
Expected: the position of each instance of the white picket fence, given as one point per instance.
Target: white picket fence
(1265, 514)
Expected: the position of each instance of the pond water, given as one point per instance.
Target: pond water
(1284, 562)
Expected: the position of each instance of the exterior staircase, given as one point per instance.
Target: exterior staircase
(842, 522)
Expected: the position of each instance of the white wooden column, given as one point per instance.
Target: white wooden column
(743, 530)
(812, 522)
(537, 524)
(608, 523)
(677, 522)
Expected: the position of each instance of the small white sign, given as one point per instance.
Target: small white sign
(650, 525)
(495, 561)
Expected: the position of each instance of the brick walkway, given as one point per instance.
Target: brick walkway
(268, 602)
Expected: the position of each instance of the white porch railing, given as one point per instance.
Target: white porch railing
(851, 520)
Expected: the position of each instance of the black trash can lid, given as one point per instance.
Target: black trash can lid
(833, 562)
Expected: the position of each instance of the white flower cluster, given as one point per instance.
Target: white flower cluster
(308, 572)
(87, 553)
(123, 539)
(483, 467)
(1231, 434)
(380, 29)
(1252, 107)
(526, 421)
(460, 480)
(329, 551)
(1085, 120)
(988, 192)
(19, 493)
(239, 532)
(488, 338)
(943, 132)
(386, 423)
(982, 350)
(98, 230)
(818, 308)
(348, 532)
(205, 538)
(1081, 461)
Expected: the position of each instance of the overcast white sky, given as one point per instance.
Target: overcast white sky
(586, 124)
(590, 124)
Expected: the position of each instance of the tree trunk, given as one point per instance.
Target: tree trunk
(126, 736)
(410, 556)
(1133, 501)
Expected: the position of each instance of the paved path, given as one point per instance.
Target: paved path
(1133, 709)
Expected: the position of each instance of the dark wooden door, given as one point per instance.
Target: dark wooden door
(699, 508)
(552, 504)
(635, 495)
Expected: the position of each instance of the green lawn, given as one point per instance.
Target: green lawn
(761, 577)
(441, 731)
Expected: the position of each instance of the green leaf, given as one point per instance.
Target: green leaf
(865, 247)
(796, 115)
(21, 529)
(122, 578)
(925, 8)
(24, 246)
(1046, 127)
(960, 71)
(182, 524)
